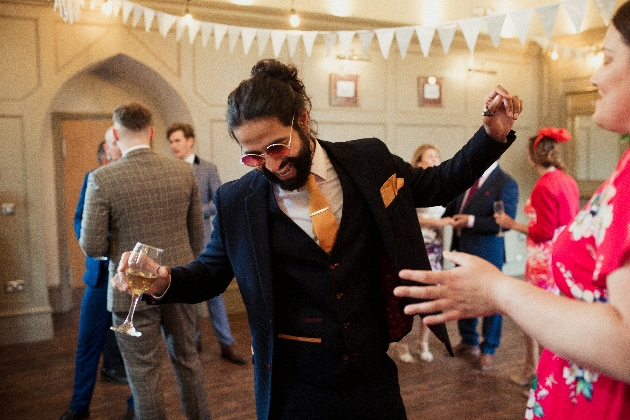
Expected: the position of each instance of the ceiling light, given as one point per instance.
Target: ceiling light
(294, 19)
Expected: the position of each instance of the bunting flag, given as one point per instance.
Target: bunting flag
(70, 11)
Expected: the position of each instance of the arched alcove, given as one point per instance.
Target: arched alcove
(85, 103)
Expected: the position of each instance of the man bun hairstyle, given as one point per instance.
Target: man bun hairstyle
(273, 90)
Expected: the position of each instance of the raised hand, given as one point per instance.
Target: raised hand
(499, 113)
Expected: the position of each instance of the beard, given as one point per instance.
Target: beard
(301, 163)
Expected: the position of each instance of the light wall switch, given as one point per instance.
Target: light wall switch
(8, 209)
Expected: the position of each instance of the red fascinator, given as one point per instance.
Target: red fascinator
(560, 135)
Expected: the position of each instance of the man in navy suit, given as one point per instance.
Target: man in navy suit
(477, 233)
(181, 137)
(94, 320)
(321, 317)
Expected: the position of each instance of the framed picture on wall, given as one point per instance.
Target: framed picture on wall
(344, 90)
(429, 91)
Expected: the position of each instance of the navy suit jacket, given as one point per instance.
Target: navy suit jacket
(96, 270)
(240, 238)
(482, 240)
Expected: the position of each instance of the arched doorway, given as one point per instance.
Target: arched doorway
(81, 112)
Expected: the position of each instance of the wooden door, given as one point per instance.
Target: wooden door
(81, 138)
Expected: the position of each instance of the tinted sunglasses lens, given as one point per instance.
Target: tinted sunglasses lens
(278, 150)
(251, 160)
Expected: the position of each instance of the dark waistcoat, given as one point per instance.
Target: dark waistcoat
(329, 310)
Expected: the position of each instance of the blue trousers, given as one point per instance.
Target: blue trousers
(94, 338)
(219, 320)
(491, 329)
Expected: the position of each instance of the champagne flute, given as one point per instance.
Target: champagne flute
(499, 208)
(141, 273)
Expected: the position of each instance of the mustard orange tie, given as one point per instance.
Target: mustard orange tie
(324, 223)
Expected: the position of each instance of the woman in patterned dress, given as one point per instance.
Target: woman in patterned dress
(553, 203)
(584, 371)
(432, 224)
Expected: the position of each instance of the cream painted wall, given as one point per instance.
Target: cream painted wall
(51, 67)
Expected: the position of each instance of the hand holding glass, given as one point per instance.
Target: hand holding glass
(499, 208)
(141, 273)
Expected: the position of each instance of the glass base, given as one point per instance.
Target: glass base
(126, 329)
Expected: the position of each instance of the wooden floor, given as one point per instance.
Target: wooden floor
(36, 380)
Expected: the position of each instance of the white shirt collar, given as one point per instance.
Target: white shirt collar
(190, 159)
(141, 146)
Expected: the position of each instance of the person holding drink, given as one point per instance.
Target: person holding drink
(153, 199)
(314, 236)
(584, 371)
(475, 231)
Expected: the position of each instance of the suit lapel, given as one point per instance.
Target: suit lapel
(257, 210)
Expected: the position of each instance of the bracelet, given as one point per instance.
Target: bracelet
(487, 113)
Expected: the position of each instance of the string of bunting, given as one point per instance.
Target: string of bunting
(133, 13)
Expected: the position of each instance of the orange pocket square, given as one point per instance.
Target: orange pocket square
(390, 188)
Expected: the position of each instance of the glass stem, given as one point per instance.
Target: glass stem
(134, 303)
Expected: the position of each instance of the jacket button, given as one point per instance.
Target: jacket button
(333, 265)
(269, 366)
(345, 325)
(339, 296)
(345, 357)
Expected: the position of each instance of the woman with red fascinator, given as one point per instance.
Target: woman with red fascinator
(553, 203)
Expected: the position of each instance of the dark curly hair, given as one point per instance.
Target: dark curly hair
(273, 90)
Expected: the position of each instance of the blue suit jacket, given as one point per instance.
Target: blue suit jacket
(482, 240)
(209, 182)
(96, 271)
(240, 239)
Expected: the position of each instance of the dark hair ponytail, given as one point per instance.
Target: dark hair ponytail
(273, 90)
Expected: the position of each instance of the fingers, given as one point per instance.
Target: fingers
(511, 104)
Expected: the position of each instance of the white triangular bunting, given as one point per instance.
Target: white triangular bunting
(219, 34)
(262, 36)
(495, 26)
(149, 14)
(522, 20)
(425, 35)
(308, 38)
(293, 38)
(403, 38)
(277, 40)
(385, 37)
(193, 30)
(605, 8)
(248, 35)
(547, 16)
(234, 32)
(576, 9)
(471, 28)
(206, 30)
(137, 14)
(116, 6)
(345, 39)
(330, 39)
(446, 34)
(126, 11)
(165, 22)
(366, 38)
(179, 27)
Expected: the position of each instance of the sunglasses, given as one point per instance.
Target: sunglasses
(276, 151)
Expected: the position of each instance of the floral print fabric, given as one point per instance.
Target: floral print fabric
(596, 243)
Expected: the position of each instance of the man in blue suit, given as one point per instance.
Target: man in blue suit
(476, 232)
(181, 137)
(94, 320)
(320, 308)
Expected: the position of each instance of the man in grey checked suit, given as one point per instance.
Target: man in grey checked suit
(181, 137)
(153, 199)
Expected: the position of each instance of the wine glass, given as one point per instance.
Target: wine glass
(499, 208)
(141, 273)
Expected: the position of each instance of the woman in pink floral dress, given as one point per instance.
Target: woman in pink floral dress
(584, 371)
(553, 203)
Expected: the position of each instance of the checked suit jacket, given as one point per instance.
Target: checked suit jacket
(240, 239)
(142, 197)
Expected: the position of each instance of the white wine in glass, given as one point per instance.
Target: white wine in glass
(499, 208)
(141, 273)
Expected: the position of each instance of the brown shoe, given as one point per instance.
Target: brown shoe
(232, 355)
(486, 362)
(466, 350)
